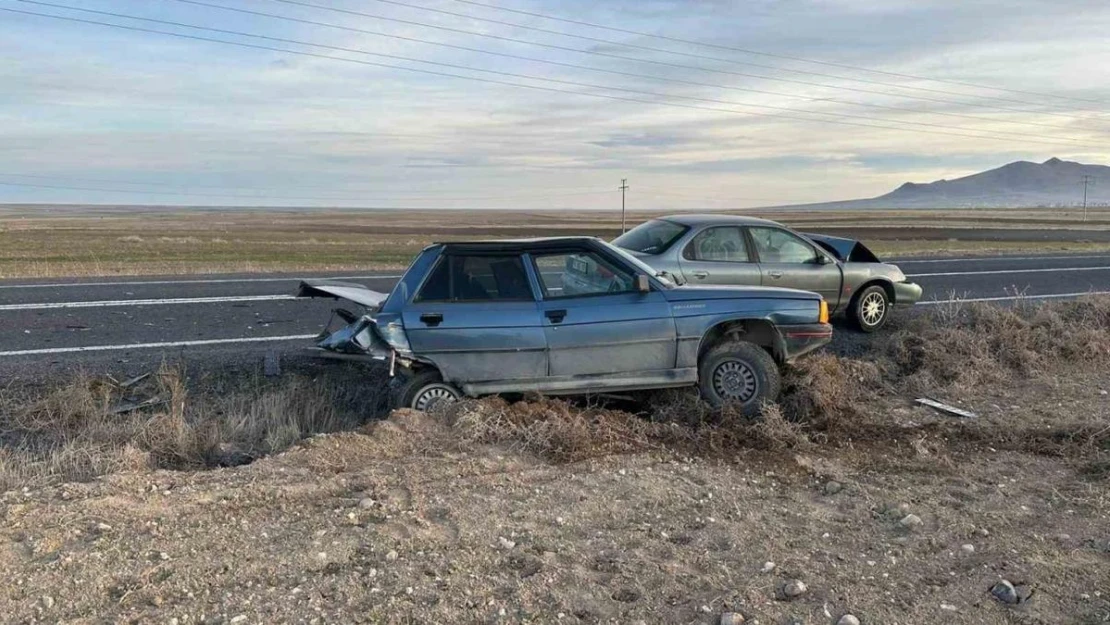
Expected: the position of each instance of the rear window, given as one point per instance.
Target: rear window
(475, 279)
(651, 237)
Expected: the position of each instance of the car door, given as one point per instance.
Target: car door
(476, 318)
(596, 321)
(788, 260)
(720, 255)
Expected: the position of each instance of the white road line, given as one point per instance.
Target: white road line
(54, 285)
(998, 271)
(147, 302)
(1011, 298)
(910, 261)
(101, 348)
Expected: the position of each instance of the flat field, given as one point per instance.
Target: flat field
(45, 241)
(544, 511)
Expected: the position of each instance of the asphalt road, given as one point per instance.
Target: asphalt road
(131, 324)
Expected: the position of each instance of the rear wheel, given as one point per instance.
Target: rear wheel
(871, 308)
(423, 390)
(739, 372)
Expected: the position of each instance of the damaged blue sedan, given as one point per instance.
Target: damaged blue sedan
(569, 316)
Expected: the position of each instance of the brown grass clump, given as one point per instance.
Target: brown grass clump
(73, 431)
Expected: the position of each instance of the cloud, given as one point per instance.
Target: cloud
(172, 114)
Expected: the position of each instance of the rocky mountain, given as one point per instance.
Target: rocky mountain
(1054, 182)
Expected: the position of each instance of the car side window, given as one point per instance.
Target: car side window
(580, 274)
(775, 245)
(477, 278)
(724, 244)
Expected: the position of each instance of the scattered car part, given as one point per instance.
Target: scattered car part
(959, 412)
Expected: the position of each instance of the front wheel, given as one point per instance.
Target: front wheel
(739, 372)
(422, 390)
(871, 309)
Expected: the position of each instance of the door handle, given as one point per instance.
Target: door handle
(700, 275)
(556, 316)
(775, 274)
(432, 319)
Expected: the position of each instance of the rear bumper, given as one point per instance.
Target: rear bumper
(906, 293)
(799, 340)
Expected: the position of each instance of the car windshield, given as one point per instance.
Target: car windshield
(652, 237)
(641, 266)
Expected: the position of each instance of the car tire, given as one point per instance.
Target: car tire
(739, 372)
(871, 309)
(422, 390)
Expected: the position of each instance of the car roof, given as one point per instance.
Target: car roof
(703, 219)
(517, 245)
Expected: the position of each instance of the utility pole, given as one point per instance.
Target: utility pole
(1087, 181)
(624, 187)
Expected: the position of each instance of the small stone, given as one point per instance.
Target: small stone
(768, 566)
(1005, 592)
(948, 607)
(156, 600)
(967, 548)
(238, 619)
(164, 556)
(848, 619)
(732, 618)
(984, 532)
(1104, 392)
(833, 487)
(793, 588)
(505, 543)
(47, 602)
(103, 527)
(910, 521)
(366, 503)
(391, 556)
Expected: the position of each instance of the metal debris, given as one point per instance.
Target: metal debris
(952, 410)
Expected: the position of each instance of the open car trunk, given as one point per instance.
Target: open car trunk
(359, 338)
(845, 250)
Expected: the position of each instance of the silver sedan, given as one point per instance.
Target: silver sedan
(733, 250)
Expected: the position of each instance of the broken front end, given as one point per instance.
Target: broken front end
(371, 336)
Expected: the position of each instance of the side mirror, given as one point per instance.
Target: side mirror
(823, 259)
(643, 285)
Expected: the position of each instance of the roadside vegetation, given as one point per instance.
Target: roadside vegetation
(103, 242)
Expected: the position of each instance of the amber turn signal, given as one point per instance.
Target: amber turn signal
(824, 316)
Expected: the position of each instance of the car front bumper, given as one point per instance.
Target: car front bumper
(906, 293)
(799, 340)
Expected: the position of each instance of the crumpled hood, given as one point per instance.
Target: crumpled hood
(688, 293)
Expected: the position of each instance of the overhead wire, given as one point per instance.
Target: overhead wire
(599, 53)
(611, 42)
(1006, 136)
(601, 70)
(786, 57)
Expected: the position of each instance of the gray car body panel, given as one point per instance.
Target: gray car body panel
(593, 343)
(838, 278)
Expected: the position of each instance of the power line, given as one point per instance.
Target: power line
(595, 69)
(611, 42)
(774, 55)
(1006, 136)
(669, 64)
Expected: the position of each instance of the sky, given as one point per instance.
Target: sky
(492, 104)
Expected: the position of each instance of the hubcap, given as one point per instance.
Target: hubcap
(735, 380)
(872, 308)
(432, 396)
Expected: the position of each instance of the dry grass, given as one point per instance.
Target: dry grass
(94, 241)
(73, 433)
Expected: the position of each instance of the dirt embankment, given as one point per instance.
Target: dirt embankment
(549, 512)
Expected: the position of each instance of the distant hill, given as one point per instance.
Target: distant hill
(1054, 182)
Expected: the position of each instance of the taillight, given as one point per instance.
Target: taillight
(824, 314)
